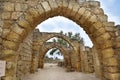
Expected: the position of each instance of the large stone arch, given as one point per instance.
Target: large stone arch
(64, 50)
(93, 21)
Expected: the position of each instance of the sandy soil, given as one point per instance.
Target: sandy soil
(53, 72)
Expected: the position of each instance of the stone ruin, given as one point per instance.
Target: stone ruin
(18, 47)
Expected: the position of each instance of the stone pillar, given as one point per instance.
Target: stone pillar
(96, 63)
(77, 55)
(41, 63)
(34, 63)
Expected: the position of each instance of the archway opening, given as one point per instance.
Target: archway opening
(55, 25)
(56, 57)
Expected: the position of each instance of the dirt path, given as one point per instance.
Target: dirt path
(53, 72)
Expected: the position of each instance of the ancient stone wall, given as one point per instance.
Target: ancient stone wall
(87, 63)
(24, 57)
(19, 17)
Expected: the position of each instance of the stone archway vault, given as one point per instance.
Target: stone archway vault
(88, 15)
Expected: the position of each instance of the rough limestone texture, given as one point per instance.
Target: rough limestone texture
(87, 60)
(19, 17)
(24, 58)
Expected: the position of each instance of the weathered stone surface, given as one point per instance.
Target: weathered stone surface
(20, 7)
(23, 23)
(7, 24)
(8, 6)
(6, 15)
(19, 17)
(10, 45)
(19, 30)
(108, 53)
(80, 12)
(40, 9)
(112, 76)
(12, 36)
(5, 32)
(16, 15)
(110, 62)
(46, 6)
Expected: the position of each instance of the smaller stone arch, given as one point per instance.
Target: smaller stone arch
(51, 45)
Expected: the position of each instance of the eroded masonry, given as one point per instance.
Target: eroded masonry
(23, 48)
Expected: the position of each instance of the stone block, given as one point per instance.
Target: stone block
(8, 6)
(109, 24)
(111, 29)
(10, 45)
(117, 44)
(29, 18)
(97, 25)
(66, 10)
(20, 7)
(5, 33)
(19, 30)
(94, 4)
(84, 17)
(46, 6)
(8, 52)
(59, 2)
(106, 44)
(16, 15)
(112, 76)
(80, 13)
(75, 9)
(112, 69)
(107, 53)
(53, 4)
(110, 62)
(34, 13)
(103, 38)
(7, 24)
(6, 15)
(98, 11)
(103, 18)
(24, 24)
(99, 32)
(14, 37)
(40, 9)
(92, 19)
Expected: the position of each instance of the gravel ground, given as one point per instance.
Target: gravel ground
(53, 72)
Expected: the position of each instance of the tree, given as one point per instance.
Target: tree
(70, 35)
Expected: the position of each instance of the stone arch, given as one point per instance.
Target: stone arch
(49, 46)
(42, 37)
(93, 22)
(58, 35)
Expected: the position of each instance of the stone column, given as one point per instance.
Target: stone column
(77, 55)
(34, 63)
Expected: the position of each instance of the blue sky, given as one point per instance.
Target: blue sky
(112, 9)
(56, 24)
